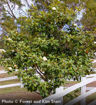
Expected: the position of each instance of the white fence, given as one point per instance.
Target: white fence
(61, 92)
(8, 79)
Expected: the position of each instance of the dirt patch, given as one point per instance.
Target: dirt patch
(1, 68)
(69, 84)
(18, 98)
(94, 65)
(93, 84)
(5, 75)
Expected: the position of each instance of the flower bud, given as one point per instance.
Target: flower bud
(9, 39)
(9, 68)
(53, 8)
(2, 50)
(44, 58)
(15, 66)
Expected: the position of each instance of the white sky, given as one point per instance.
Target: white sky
(80, 14)
(17, 12)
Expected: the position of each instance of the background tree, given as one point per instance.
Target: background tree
(89, 17)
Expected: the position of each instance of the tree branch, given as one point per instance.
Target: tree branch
(27, 3)
(12, 14)
(24, 12)
(13, 7)
(41, 74)
(9, 13)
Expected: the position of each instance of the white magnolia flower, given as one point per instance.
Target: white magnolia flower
(75, 24)
(2, 50)
(37, 74)
(53, 8)
(44, 58)
(12, 50)
(30, 67)
(95, 53)
(9, 39)
(9, 68)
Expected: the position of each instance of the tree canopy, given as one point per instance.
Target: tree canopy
(45, 54)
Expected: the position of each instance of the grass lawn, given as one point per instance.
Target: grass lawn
(94, 65)
(75, 94)
(12, 89)
(9, 82)
(91, 98)
(1, 68)
(5, 75)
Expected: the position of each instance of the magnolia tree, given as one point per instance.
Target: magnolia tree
(43, 53)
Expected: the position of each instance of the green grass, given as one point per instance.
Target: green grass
(71, 95)
(7, 75)
(94, 65)
(75, 94)
(91, 98)
(1, 68)
(12, 89)
(9, 82)
(71, 82)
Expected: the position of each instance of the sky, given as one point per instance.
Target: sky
(17, 12)
(0, 31)
(80, 14)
